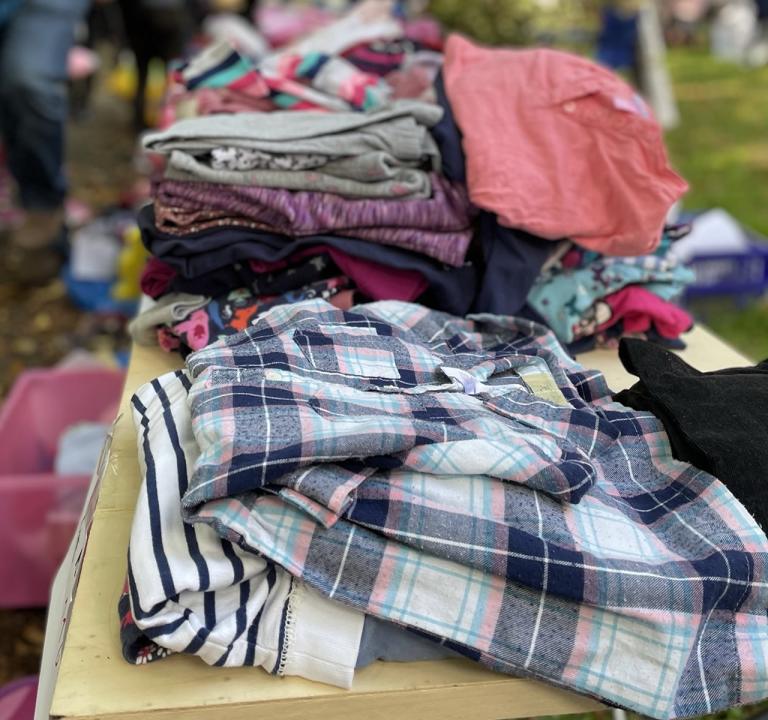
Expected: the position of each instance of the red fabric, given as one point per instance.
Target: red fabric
(156, 278)
(372, 279)
(560, 147)
(639, 309)
(426, 31)
(572, 259)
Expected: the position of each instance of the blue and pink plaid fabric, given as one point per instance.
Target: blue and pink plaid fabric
(639, 580)
(327, 400)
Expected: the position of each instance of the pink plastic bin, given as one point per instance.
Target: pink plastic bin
(17, 699)
(38, 509)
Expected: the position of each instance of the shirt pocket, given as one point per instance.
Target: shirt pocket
(348, 353)
(605, 104)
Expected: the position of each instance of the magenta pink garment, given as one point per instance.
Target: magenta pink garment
(17, 699)
(156, 278)
(639, 309)
(560, 147)
(282, 24)
(572, 259)
(425, 30)
(414, 82)
(212, 101)
(439, 226)
(379, 282)
(374, 280)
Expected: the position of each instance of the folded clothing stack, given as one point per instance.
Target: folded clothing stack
(467, 203)
(329, 204)
(365, 155)
(592, 300)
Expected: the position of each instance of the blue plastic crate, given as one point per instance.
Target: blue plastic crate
(742, 273)
(96, 296)
(730, 274)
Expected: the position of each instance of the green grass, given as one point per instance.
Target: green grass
(721, 147)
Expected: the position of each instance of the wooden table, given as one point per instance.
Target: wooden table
(95, 682)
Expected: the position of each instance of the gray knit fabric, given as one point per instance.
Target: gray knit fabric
(171, 308)
(372, 175)
(399, 129)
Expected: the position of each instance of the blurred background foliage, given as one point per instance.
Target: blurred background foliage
(522, 22)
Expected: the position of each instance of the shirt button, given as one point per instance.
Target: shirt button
(569, 107)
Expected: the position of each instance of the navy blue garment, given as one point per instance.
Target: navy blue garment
(35, 37)
(511, 259)
(241, 275)
(447, 135)
(450, 289)
(617, 41)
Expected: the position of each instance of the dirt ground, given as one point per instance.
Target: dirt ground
(39, 327)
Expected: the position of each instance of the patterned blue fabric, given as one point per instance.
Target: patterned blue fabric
(564, 296)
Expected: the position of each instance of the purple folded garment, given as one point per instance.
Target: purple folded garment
(439, 227)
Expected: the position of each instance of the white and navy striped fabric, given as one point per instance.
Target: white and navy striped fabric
(190, 591)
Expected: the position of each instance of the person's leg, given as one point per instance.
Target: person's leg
(7, 124)
(33, 97)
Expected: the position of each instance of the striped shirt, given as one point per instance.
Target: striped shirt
(190, 591)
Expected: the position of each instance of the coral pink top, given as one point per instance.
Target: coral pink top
(560, 147)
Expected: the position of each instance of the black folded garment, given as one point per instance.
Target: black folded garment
(717, 421)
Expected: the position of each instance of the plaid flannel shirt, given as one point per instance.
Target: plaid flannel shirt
(649, 593)
(324, 400)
